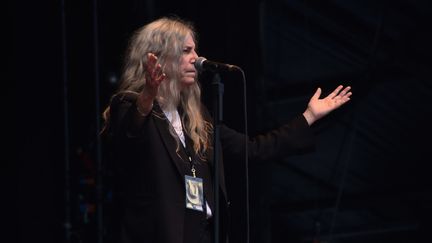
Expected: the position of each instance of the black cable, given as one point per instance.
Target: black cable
(246, 153)
(99, 188)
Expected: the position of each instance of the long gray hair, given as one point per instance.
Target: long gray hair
(165, 38)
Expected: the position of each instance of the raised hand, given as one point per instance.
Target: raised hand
(318, 108)
(154, 77)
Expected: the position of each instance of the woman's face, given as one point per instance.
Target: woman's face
(187, 60)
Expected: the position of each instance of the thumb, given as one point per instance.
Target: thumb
(317, 94)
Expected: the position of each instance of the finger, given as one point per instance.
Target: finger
(153, 71)
(158, 73)
(158, 69)
(345, 91)
(151, 57)
(335, 92)
(160, 78)
(345, 98)
(151, 61)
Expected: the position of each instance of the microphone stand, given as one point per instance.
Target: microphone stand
(218, 89)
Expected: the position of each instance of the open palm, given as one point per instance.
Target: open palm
(318, 108)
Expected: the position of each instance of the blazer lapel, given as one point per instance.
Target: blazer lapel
(178, 157)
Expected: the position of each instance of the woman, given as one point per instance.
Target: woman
(161, 139)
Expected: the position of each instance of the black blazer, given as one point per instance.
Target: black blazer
(149, 191)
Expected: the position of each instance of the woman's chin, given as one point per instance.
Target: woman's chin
(188, 82)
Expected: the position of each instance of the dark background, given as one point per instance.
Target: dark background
(367, 181)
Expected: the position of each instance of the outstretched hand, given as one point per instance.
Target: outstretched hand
(318, 108)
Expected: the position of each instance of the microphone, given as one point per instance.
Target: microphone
(201, 64)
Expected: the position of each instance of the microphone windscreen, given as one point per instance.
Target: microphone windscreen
(199, 62)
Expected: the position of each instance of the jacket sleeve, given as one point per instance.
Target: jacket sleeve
(293, 137)
(123, 108)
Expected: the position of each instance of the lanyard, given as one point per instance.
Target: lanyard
(191, 160)
(192, 167)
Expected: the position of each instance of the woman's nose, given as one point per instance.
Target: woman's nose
(195, 55)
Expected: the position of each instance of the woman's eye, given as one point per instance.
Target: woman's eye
(187, 49)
